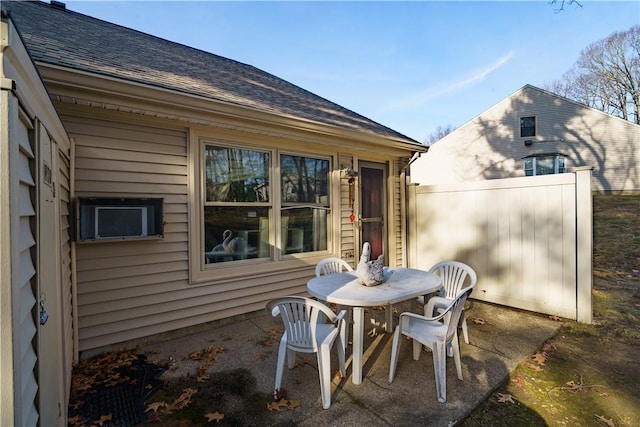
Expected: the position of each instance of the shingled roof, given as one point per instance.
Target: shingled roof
(61, 37)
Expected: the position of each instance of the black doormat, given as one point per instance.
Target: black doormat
(111, 389)
(122, 403)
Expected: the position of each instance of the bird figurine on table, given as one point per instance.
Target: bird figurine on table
(370, 273)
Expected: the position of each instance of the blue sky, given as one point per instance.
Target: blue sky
(411, 66)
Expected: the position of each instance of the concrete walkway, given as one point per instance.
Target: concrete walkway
(506, 338)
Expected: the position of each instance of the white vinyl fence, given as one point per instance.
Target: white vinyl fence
(529, 239)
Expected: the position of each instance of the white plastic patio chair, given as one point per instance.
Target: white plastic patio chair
(455, 276)
(332, 265)
(437, 333)
(305, 332)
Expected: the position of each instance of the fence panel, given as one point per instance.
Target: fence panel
(529, 239)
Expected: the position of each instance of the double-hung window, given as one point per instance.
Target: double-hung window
(240, 188)
(527, 126)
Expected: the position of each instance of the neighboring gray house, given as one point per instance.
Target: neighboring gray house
(535, 132)
(129, 165)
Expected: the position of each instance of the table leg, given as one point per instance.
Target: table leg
(358, 337)
(389, 317)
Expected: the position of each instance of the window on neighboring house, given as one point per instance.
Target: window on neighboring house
(527, 126)
(544, 165)
(239, 200)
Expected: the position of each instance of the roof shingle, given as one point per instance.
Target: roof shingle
(70, 39)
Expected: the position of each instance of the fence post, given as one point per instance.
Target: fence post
(584, 245)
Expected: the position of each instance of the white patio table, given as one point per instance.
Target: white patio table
(401, 284)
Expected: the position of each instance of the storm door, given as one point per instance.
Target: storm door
(373, 202)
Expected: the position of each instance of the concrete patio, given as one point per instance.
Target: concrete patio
(506, 338)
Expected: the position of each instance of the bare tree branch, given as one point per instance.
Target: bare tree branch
(558, 5)
(438, 134)
(606, 76)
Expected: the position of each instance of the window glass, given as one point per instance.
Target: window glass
(236, 175)
(545, 165)
(304, 179)
(234, 233)
(561, 166)
(304, 184)
(527, 126)
(528, 166)
(238, 218)
(236, 209)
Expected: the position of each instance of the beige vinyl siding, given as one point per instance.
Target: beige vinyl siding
(134, 289)
(490, 147)
(124, 279)
(396, 237)
(348, 230)
(162, 312)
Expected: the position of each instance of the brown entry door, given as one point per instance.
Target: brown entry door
(372, 207)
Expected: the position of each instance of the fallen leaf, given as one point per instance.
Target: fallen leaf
(103, 419)
(303, 361)
(536, 368)
(519, 381)
(503, 398)
(573, 386)
(556, 318)
(77, 404)
(548, 346)
(260, 357)
(214, 416)
(275, 406)
(293, 404)
(283, 403)
(155, 406)
(201, 374)
(540, 358)
(188, 392)
(77, 421)
(155, 417)
(274, 335)
(608, 422)
(477, 320)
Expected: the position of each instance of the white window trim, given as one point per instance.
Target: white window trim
(556, 163)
